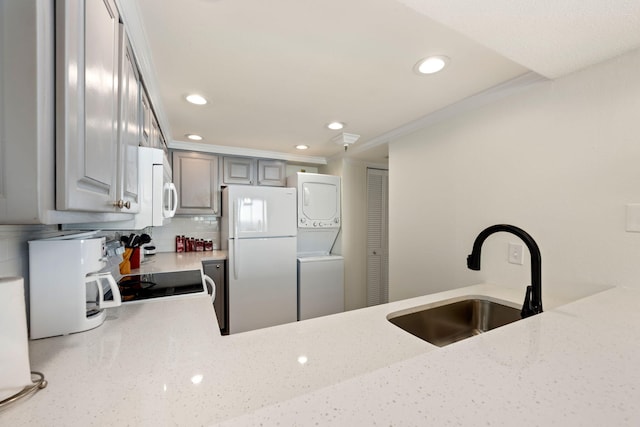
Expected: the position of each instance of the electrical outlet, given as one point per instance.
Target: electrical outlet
(516, 253)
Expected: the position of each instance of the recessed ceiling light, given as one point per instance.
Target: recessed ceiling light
(194, 137)
(302, 147)
(196, 99)
(431, 65)
(335, 125)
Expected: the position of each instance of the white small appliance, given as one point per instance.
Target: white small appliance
(320, 273)
(157, 192)
(158, 195)
(68, 278)
(318, 211)
(169, 203)
(259, 232)
(320, 286)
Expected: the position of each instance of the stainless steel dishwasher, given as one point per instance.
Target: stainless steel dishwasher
(216, 270)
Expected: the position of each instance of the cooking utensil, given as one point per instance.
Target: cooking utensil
(144, 239)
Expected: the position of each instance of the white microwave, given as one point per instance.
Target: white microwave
(157, 193)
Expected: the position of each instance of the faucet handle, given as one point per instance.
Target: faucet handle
(527, 309)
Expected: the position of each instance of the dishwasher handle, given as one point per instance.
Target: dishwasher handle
(211, 284)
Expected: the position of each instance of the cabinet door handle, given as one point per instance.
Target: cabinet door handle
(122, 204)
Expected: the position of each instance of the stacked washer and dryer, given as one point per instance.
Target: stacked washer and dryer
(320, 274)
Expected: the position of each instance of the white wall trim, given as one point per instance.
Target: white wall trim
(367, 164)
(248, 152)
(472, 102)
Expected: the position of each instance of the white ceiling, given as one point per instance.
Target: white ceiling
(550, 37)
(275, 72)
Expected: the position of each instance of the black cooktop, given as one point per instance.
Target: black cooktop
(157, 285)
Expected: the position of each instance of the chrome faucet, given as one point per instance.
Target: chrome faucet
(533, 296)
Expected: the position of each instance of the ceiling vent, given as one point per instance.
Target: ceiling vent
(346, 139)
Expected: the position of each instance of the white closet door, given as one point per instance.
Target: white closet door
(377, 237)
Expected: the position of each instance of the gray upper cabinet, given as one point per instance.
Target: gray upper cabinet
(89, 54)
(238, 170)
(272, 172)
(244, 170)
(196, 178)
(151, 134)
(71, 109)
(27, 120)
(145, 119)
(128, 128)
(155, 140)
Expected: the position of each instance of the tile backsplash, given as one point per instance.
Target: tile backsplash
(14, 249)
(200, 227)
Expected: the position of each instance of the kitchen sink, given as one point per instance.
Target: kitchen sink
(455, 321)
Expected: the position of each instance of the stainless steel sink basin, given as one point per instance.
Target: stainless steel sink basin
(455, 321)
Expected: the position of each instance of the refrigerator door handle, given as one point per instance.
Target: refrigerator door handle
(236, 219)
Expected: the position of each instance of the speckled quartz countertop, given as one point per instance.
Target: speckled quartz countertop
(164, 363)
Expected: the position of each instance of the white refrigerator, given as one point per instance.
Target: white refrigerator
(259, 233)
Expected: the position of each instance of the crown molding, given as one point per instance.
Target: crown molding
(472, 102)
(247, 152)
